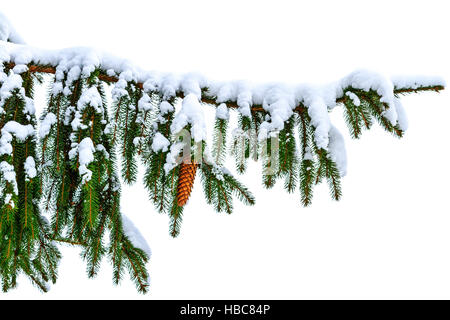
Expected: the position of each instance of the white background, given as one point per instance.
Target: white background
(389, 237)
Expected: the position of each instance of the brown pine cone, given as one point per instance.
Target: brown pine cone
(185, 182)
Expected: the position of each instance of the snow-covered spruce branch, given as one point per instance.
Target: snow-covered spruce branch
(208, 98)
(69, 168)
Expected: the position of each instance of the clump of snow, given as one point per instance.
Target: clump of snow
(7, 31)
(165, 108)
(191, 113)
(402, 117)
(119, 90)
(169, 85)
(192, 84)
(138, 140)
(172, 158)
(222, 112)
(91, 97)
(280, 103)
(57, 88)
(145, 103)
(8, 173)
(108, 128)
(111, 72)
(85, 150)
(320, 119)
(237, 132)
(160, 143)
(29, 106)
(101, 148)
(308, 154)
(354, 98)
(244, 101)
(73, 74)
(8, 200)
(77, 121)
(46, 124)
(337, 150)
(134, 235)
(224, 92)
(13, 81)
(21, 132)
(20, 68)
(5, 143)
(30, 168)
(240, 91)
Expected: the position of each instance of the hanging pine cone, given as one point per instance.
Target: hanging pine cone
(185, 182)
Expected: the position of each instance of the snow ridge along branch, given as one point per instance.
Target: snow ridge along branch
(208, 99)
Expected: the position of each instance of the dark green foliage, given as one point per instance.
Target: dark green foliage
(121, 251)
(131, 125)
(219, 186)
(176, 217)
(84, 210)
(307, 166)
(358, 117)
(24, 246)
(327, 168)
(307, 175)
(126, 110)
(361, 117)
(159, 184)
(288, 156)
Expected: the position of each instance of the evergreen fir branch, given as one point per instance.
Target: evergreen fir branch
(135, 260)
(353, 118)
(307, 177)
(206, 177)
(22, 229)
(270, 161)
(238, 151)
(94, 249)
(288, 166)
(377, 108)
(159, 184)
(128, 129)
(334, 180)
(176, 217)
(241, 147)
(239, 190)
(123, 254)
(329, 170)
(219, 185)
(220, 140)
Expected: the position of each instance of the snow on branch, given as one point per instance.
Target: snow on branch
(7, 31)
(236, 94)
(277, 101)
